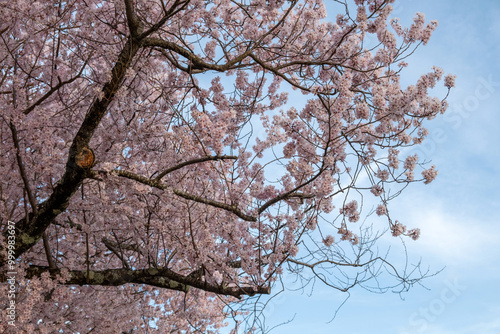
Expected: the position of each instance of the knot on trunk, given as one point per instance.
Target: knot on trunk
(85, 158)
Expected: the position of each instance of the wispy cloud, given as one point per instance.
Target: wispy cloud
(448, 236)
(487, 327)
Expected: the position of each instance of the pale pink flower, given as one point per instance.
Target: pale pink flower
(381, 210)
(382, 174)
(328, 240)
(354, 217)
(414, 233)
(427, 32)
(449, 80)
(393, 158)
(311, 224)
(350, 211)
(430, 174)
(377, 190)
(346, 234)
(411, 162)
(349, 208)
(397, 229)
(362, 111)
(397, 26)
(293, 250)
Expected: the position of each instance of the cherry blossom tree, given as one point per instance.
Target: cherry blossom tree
(158, 173)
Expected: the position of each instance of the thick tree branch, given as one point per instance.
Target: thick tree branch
(196, 61)
(159, 277)
(136, 27)
(108, 277)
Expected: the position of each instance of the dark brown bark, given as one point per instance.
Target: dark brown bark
(159, 277)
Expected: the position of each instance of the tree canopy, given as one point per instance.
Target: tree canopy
(158, 172)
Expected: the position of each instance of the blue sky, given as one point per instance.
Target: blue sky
(458, 213)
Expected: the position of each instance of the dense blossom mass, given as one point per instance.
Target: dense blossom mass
(166, 161)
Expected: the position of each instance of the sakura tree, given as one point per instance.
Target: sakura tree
(157, 175)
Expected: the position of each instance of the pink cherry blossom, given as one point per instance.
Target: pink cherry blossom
(414, 233)
(449, 80)
(328, 240)
(381, 210)
(209, 181)
(398, 229)
(377, 190)
(430, 174)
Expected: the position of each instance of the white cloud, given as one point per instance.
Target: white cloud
(451, 237)
(447, 236)
(488, 327)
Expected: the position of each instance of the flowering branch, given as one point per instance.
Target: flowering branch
(156, 184)
(194, 161)
(54, 89)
